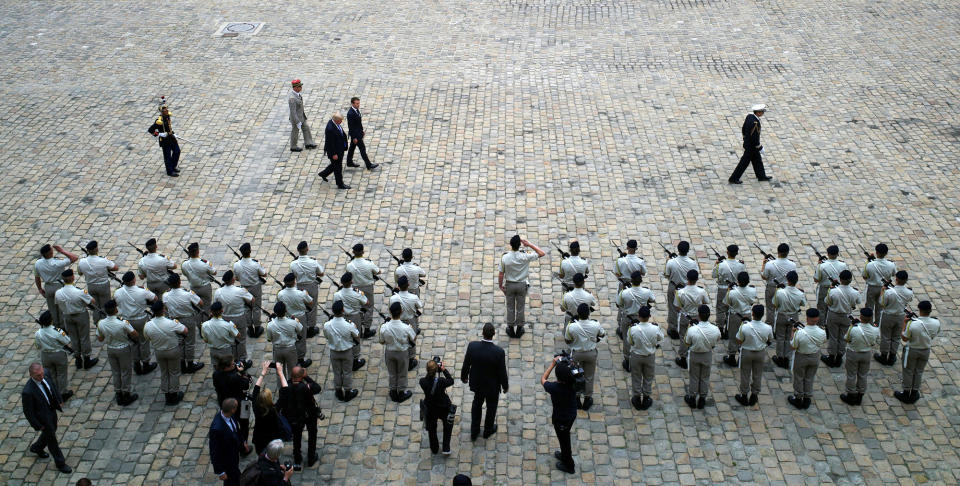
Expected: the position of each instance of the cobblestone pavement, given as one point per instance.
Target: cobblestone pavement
(589, 119)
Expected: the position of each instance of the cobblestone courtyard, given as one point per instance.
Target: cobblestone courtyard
(587, 119)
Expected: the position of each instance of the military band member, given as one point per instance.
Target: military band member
(298, 304)
(571, 300)
(200, 274)
(133, 303)
(514, 269)
(248, 272)
(875, 273)
(412, 308)
(918, 336)
(676, 271)
(861, 338)
(54, 346)
(221, 337)
(630, 301)
(807, 343)
(687, 301)
(627, 264)
(236, 303)
(739, 301)
(753, 338)
(308, 272)
(573, 265)
(752, 149)
(774, 274)
(643, 339)
(363, 272)
(96, 271)
(283, 332)
(583, 335)
(787, 303)
(412, 271)
(841, 301)
(396, 337)
(827, 272)
(117, 334)
(184, 306)
(168, 142)
(154, 267)
(164, 334)
(46, 275)
(700, 340)
(725, 273)
(73, 303)
(342, 337)
(893, 304)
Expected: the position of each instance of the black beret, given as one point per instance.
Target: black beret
(631, 243)
(290, 277)
(358, 248)
(813, 312)
(338, 307)
(644, 312)
(67, 273)
(578, 278)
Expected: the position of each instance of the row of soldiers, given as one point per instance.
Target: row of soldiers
(166, 317)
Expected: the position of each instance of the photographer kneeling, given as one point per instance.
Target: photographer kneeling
(437, 404)
(563, 395)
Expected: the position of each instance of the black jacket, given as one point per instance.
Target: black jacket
(156, 128)
(438, 402)
(298, 402)
(270, 473)
(335, 143)
(225, 446)
(486, 367)
(751, 132)
(267, 425)
(38, 411)
(230, 384)
(354, 119)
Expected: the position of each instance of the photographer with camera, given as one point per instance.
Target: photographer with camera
(231, 381)
(583, 335)
(272, 473)
(438, 404)
(563, 396)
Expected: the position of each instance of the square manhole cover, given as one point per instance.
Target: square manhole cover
(235, 29)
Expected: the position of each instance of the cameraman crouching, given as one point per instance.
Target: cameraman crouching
(438, 404)
(564, 399)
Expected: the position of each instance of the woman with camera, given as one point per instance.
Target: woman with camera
(268, 425)
(563, 395)
(437, 404)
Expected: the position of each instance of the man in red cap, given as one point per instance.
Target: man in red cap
(298, 119)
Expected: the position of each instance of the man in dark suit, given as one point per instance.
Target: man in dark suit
(225, 444)
(41, 402)
(354, 119)
(229, 381)
(485, 368)
(334, 145)
(752, 150)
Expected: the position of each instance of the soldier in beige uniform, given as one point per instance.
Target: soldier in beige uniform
(918, 334)
(725, 273)
(841, 301)
(96, 270)
(412, 271)
(787, 303)
(630, 301)
(73, 304)
(514, 269)
(643, 339)
(363, 272)
(220, 336)
(249, 273)
(236, 302)
(583, 335)
(826, 275)
(739, 301)
(627, 265)
(687, 300)
(200, 274)
(807, 342)
(571, 300)
(284, 332)
(753, 338)
(861, 338)
(774, 274)
(298, 304)
(154, 267)
(571, 266)
(308, 272)
(354, 305)
(676, 272)
(165, 334)
(412, 309)
(184, 306)
(893, 303)
(700, 340)
(133, 302)
(46, 275)
(342, 337)
(54, 346)
(876, 273)
(397, 337)
(116, 335)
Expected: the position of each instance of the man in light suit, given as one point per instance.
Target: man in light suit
(334, 145)
(41, 401)
(298, 118)
(485, 368)
(225, 444)
(355, 120)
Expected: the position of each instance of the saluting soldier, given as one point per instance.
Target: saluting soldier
(154, 267)
(236, 302)
(184, 307)
(787, 303)
(353, 307)
(676, 271)
(807, 342)
(573, 265)
(54, 345)
(116, 335)
(396, 338)
(627, 264)
(571, 300)
(725, 273)
(283, 332)
(363, 272)
(96, 271)
(342, 337)
(630, 300)
(298, 304)
(133, 302)
(643, 339)
(164, 334)
(221, 336)
(739, 301)
(700, 340)
(876, 272)
(46, 274)
(774, 274)
(308, 272)
(861, 338)
(248, 272)
(73, 303)
(841, 301)
(411, 270)
(583, 335)
(893, 304)
(753, 338)
(200, 274)
(828, 272)
(687, 301)
(918, 334)
(514, 269)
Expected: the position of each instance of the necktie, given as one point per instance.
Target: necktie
(46, 392)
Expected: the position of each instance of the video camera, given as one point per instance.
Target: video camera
(579, 383)
(438, 361)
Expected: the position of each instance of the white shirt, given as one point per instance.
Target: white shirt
(353, 301)
(132, 301)
(702, 337)
(676, 269)
(233, 298)
(515, 266)
(295, 299)
(789, 300)
(248, 272)
(43, 388)
(842, 299)
(198, 272)
(282, 331)
(94, 269)
(307, 270)
(725, 272)
(72, 300)
(573, 299)
(50, 339)
(862, 337)
(410, 303)
(363, 271)
(115, 332)
(690, 298)
(584, 334)
(163, 333)
(340, 333)
(49, 269)
(153, 267)
(572, 266)
(219, 333)
(808, 340)
(921, 332)
(180, 302)
(895, 300)
(412, 272)
(830, 268)
(754, 335)
(396, 335)
(777, 270)
(628, 264)
(741, 299)
(643, 338)
(879, 269)
(631, 299)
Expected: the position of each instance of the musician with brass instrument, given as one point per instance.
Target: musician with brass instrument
(163, 130)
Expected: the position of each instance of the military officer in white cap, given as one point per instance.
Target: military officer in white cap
(752, 149)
